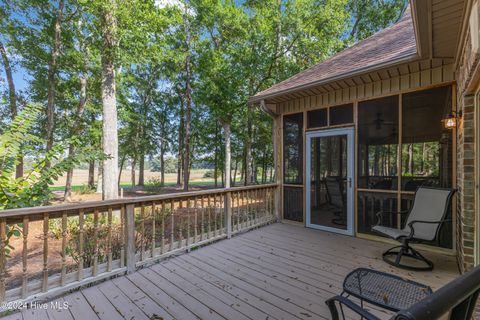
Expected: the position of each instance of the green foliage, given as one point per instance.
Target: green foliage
(31, 189)
(170, 165)
(89, 244)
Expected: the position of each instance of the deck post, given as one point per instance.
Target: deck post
(228, 213)
(130, 237)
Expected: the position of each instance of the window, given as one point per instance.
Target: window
(317, 118)
(293, 148)
(341, 114)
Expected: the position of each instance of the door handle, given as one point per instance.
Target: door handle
(349, 182)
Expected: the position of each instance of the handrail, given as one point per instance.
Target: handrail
(117, 202)
(458, 297)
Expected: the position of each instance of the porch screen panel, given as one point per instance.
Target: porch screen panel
(427, 147)
(378, 143)
(293, 203)
(293, 149)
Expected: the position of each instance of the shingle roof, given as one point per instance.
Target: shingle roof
(389, 45)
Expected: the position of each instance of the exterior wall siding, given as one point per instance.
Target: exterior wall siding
(413, 81)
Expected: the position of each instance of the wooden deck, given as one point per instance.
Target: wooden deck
(276, 272)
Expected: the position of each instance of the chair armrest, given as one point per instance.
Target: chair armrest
(381, 213)
(412, 229)
(351, 305)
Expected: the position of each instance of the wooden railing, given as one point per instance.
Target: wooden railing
(45, 251)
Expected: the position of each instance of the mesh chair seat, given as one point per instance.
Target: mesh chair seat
(391, 232)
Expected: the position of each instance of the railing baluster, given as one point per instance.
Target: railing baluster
(195, 213)
(221, 210)
(3, 257)
(247, 193)
(142, 231)
(80, 245)
(188, 223)
(244, 211)
(239, 210)
(202, 222)
(45, 253)
(64, 249)
(24, 257)
(122, 237)
(95, 243)
(209, 218)
(254, 206)
(154, 214)
(130, 237)
(109, 239)
(215, 225)
(180, 230)
(227, 208)
(163, 229)
(172, 222)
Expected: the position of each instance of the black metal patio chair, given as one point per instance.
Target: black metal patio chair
(410, 300)
(424, 220)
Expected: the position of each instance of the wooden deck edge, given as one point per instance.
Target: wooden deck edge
(57, 292)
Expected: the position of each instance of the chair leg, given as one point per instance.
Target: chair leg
(405, 250)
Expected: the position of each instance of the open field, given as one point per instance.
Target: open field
(80, 177)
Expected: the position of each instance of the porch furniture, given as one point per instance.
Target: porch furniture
(336, 198)
(383, 289)
(457, 298)
(423, 223)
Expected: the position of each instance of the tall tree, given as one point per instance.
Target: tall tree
(109, 100)
(188, 99)
(52, 70)
(12, 96)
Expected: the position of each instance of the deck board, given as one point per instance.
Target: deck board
(279, 272)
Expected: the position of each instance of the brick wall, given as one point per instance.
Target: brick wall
(466, 217)
(466, 213)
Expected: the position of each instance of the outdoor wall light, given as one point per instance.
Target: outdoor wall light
(451, 120)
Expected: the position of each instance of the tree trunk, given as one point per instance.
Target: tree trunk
(215, 160)
(264, 166)
(52, 68)
(228, 155)
(12, 96)
(180, 146)
(100, 178)
(132, 175)
(248, 150)
(120, 171)
(235, 174)
(141, 171)
(162, 164)
(77, 126)
(109, 101)
(410, 158)
(188, 101)
(91, 174)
